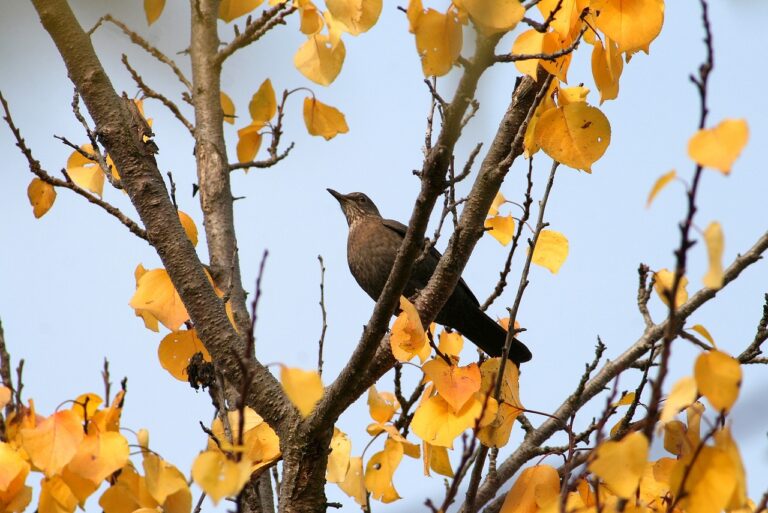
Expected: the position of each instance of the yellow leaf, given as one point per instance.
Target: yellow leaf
(150, 321)
(663, 287)
(451, 343)
(231, 9)
(248, 141)
(659, 184)
(108, 419)
(323, 120)
(719, 147)
(407, 337)
(566, 18)
(162, 478)
(55, 496)
(303, 388)
(701, 330)
(99, 455)
(155, 294)
(176, 350)
(498, 201)
(189, 227)
(153, 9)
(576, 135)
(128, 494)
(41, 196)
(12, 465)
(510, 387)
(335, 28)
(354, 484)
(682, 395)
(381, 405)
(718, 378)
(219, 476)
(53, 442)
(436, 422)
(530, 143)
(536, 489)
(414, 12)
(438, 41)
(319, 60)
(606, 69)
(85, 405)
(496, 433)
(5, 396)
(710, 480)
(496, 16)
(436, 458)
(263, 105)
(311, 20)
(551, 250)
(179, 502)
(381, 469)
(621, 464)
(228, 107)
(530, 42)
(713, 237)
(455, 384)
(338, 459)
(633, 24)
(15, 497)
(675, 440)
(575, 94)
(725, 442)
(502, 228)
(80, 487)
(626, 399)
(84, 172)
(357, 15)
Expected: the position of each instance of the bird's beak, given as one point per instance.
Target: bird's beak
(339, 196)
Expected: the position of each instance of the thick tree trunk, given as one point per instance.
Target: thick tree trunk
(305, 458)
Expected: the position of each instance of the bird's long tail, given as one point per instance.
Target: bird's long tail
(489, 336)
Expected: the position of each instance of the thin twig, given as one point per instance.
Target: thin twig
(251, 348)
(262, 164)
(37, 170)
(322, 310)
(254, 30)
(511, 57)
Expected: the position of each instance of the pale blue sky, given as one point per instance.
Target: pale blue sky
(67, 278)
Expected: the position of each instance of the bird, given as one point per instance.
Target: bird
(372, 245)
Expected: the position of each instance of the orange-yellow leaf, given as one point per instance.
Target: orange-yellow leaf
(263, 105)
(633, 24)
(575, 94)
(530, 42)
(303, 388)
(496, 433)
(535, 490)
(659, 184)
(704, 484)
(381, 405)
(663, 287)
(249, 141)
(621, 464)
(498, 201)
(100, 455)
(162, 478)
(496, 16)
(155, 294)
(718, 378)
(323, 120)
(53, 442)
(719, 147)
(335, 28)
(451, 343)
(176, 350)
(189, 227)
(55, 496)
(319, 60)
(153, 9)
(150, 321)
(725, 442)
(675, 440)
(127, 494)
(607, 66)
(358, 16)
(12, 465)
(219, 476)
(510, 386)
(454, 384)
(231, 9)
(436, 422)
(108, 419)
(715, 241)
(381, 469)
(682, 395)
(228, 107)
(501, 228)
(576, 134)
(84, 172)
(704, 332)
(436, 458)
(354, 483)
(438, 41)
(551, 250)
(530, 144)
(338, 459)
(85, 405)
(41, 196)
(413, 13)
(566, 16)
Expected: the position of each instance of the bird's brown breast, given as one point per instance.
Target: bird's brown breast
(371, 252)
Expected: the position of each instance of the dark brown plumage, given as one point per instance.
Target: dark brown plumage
(372, 246)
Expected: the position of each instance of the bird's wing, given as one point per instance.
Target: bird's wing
(400, 228)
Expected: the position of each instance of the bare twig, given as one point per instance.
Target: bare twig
(322, 310)
(146, 46)
(107, 383)
(263, 164)
(151, 93)
(511, 57)
(37, 170)
(251, 348)
(753, 351)
(254, 30)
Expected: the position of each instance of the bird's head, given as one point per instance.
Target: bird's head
(355, 206)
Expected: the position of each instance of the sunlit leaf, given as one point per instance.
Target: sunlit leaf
(704, 484)
(338, 459)
(41, 196)
(407, 337)
(536, 489)
(576, 135)
(718, 378)
(719, 147)
(682, 395)
(451, 343)
(607, 66)
(620, 464)
(438, 41)
(633, 24)
(156, 294)
(303, 388)
(715, 241)
(249, 141)
(381, 469)
(153, 9)
(455, 384)
(54, 441)
(501, 228)
(704, 332)
(323, 120)
(99, 455)
(319, 60)
(663, 287)
(659, 184)
(219, 476)
(381, 405)
(176, 350)
(189, 227)
(163, 479)
(354, 482)
(496, 16)
(263, 104)
(436, 422)
(231, 9)
(357, 15)
(551, 250)
(228, 107)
